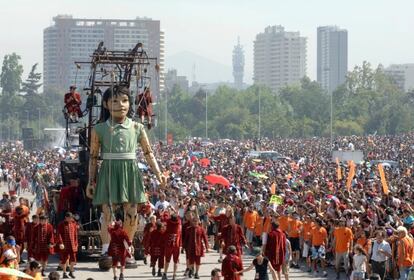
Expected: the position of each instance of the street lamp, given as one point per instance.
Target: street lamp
(331, 128)
(206, 116)
(38, 110)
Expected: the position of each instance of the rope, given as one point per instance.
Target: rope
(111, 128)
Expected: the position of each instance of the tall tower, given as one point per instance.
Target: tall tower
(332, 57)
(279, 57)
(238, 64)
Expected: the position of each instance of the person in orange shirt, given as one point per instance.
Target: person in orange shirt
(249, 221)
(306, 237)
(267, 226)
(319, 240)
(364, 241)
(405, 252)
(294, 226)
(258, 229)
(283, 222)
(343, 244)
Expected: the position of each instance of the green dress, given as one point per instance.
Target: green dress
(119, 180)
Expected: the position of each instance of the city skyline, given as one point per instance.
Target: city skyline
(188, 25)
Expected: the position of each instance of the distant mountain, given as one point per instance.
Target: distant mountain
(206, 70)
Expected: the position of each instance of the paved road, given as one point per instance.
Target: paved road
(90, 269)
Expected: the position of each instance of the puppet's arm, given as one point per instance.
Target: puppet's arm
(93, 160)
(149, 156)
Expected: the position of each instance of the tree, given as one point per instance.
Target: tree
(32, 84)
(11, 74)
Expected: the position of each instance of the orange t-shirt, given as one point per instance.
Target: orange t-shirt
(365, 243)
(343, 237)
(294, 228)
(283, 223)
(250, 219)
(267, 226)
(407, 244)
(306, 230)
(318, 236)
(258, 229)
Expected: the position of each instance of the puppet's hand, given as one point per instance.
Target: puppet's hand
(90, 191)
(163, 181)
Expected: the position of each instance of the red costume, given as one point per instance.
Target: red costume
(19, 223)
(144, 102)
(69, 198)
(195, 237)
(42, 241)
(231, 264)
(147, 235)
(233, 235)
(173, 240)
(67, 234)
(117, 249)
(185, 227)
(276, 248)
(28, 234)
(72, 103)
(157, 248)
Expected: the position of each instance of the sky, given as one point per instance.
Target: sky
(379, 31)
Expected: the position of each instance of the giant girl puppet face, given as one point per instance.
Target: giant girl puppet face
(118, 106)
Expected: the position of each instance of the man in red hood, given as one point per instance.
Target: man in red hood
(118, 249)
(173, 243)
(231, 264)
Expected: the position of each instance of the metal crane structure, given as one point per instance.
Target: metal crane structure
(108, 68)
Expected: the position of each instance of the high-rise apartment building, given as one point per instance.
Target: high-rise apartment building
(279, 57)
(173, 79)
(402, 75)
(238, 65)
(70, 39)
(332, 65)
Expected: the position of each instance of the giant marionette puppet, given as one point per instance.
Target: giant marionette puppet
(119, 181)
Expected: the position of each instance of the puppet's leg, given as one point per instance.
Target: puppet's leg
(106, 221)
(130, 219)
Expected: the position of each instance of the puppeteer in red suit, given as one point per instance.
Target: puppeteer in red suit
(67, 235)
(144, 106)
(43, 241)
(72, 104)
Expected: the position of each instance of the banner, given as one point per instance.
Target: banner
(351, 175)
(273, 188)
(170, 139)
(275, 199)
(383, 180)
(338, 170)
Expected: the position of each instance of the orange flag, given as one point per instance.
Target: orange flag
(383, 180)
(351, 175)
(338, 170)
(273, 188)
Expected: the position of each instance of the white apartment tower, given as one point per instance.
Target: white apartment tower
(279, 57)
(332, 58)
(70, 39)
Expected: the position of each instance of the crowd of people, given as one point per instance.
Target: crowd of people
(302, 210)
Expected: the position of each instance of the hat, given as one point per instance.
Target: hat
(68, 215)
(72, 87)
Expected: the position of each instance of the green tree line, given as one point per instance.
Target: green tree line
(369, 102)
